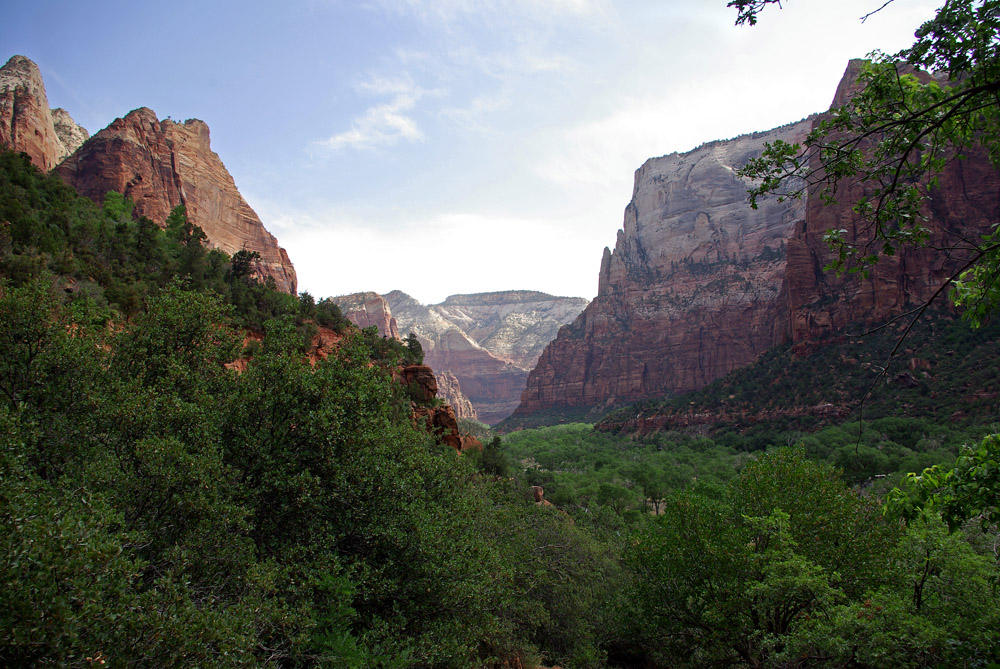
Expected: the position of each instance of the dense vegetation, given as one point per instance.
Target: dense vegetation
(159, 508)
(946, 371)
(111, 261)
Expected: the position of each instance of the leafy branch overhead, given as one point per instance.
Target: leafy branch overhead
(895, 137)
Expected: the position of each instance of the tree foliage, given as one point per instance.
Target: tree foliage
(896, 136)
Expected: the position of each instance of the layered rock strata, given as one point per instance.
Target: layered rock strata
(486, 341)
(700, 284)
(690, 291)
(368, 310)
(162, 164)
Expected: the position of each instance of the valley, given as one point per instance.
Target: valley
(769, 440)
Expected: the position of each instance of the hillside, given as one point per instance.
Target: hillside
(159, 165)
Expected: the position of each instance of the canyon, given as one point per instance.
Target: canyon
(159, 164)
(700, 284)
(482, 346)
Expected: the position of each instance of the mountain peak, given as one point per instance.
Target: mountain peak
(25, 119)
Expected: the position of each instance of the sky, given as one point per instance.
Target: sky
(448, 146)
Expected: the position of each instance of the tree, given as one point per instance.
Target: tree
(730, 580)
(969, 490)
(896, 136)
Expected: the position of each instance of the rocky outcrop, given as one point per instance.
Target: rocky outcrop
(70, 133)
(163, 164)
(487, 341)
(450, 390)
(699, 284)
(367, 310)
(25, 119)
(439, 420)
(689, 293)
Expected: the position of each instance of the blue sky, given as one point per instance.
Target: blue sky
(448, 146)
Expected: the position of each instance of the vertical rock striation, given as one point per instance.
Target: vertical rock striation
(25, 120)
(699, 284)
(690, 291)
(367, 310)
(162, 164)
(964, 205)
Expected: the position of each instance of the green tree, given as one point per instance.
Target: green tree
(730, 578)
(968, 490)
(896, 136)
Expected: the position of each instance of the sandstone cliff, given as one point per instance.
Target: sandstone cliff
(25, 120)
(367, 310)
(964, 205)
(699, 284)
(70, 134)
(690, 291)
(487, 341)
(162, 164)
(450, 390)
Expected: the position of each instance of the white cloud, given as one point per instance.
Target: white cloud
(383, 124)
(432, 255)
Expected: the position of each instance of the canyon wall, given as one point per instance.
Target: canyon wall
(487, 342)
(26, 122)
(964, 205)
(163, 164)
(690, 291)
(700, 284)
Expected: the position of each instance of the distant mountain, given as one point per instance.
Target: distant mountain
(699, 284)
(487, 341)
(368, 310)
(159, 164)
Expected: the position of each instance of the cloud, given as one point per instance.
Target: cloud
(383, 124)
(431, 255)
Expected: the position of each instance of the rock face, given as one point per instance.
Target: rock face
(369, 309)
(699, 284)
(690, 291)
(439, 420)
(70, 134)
(515, 325)
(964, 206)
(162, 164)
(25, 120)
(487, 341)
(450, 390)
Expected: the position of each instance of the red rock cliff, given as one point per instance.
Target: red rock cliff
(965, 204)
(700, 284)
(690, 291)
(162, 164)
(25, 119)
